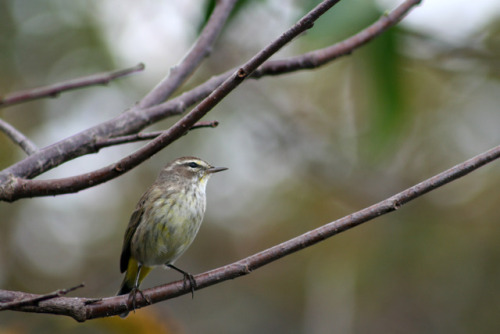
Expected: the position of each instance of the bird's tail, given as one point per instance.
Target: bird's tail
(126, 287)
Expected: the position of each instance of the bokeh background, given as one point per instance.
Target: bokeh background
(303, 149)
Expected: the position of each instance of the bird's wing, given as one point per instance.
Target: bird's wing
(135, 219)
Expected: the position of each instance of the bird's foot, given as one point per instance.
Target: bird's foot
(187, 277)
(133, 295)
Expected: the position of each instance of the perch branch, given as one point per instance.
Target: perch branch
(82, 309)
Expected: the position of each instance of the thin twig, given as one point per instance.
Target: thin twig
(56, 89)
(106, 142)
(80, 308)
(18, 137)
(35, 299)
(201, 49)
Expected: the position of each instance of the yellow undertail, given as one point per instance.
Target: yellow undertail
(131, 275)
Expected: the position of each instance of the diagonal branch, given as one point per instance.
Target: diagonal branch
(54, 90)
(18, 137)
(82, 309)
(15, 187)
(136, 119)
(201, 49)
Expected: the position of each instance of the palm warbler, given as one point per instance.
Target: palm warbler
(165, 222)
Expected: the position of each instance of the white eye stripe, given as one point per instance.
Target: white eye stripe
(195, 164)
(188, 163)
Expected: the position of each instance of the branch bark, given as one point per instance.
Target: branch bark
(82, 309)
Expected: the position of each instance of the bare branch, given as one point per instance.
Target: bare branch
(54, 90)
(14, 187)
(106, 142)
(83, 309)
(200, 50)
(18, 137)
(136, 119)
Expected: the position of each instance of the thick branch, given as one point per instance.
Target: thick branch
(56, 89)
(18, 137)
(83, 309)
(15, 187)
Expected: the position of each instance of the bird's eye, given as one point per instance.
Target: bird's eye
(193, 165)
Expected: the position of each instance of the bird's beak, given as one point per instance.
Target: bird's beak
(212, 170)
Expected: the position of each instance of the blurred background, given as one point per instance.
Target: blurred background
(303, 149)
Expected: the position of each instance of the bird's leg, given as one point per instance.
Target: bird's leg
(187, 276)
(136, 289)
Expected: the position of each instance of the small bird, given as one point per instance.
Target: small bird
(165, 222)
